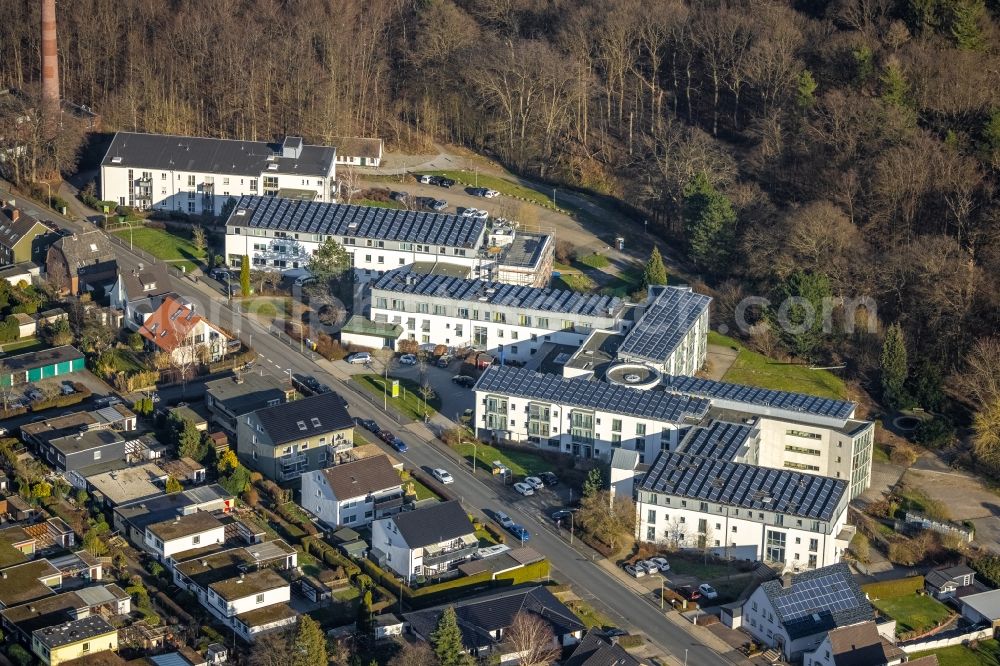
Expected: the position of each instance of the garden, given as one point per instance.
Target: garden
(979, 653)
(411, 401)
(905, 601)
(172, 248)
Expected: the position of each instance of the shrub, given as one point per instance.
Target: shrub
(903, 454)
(636, 641)
(903, 552)
(935, 433)
(81, 394)
(19, 655)
(565, 252)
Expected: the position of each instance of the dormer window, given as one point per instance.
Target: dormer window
(302, 425)
(315, 422)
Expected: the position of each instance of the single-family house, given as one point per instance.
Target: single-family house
(131, 484)
(485, 619)
(181, 533)
(131, 519)
(285, 441)
(358, 151)
(354, 493)
(20, 236)
(424, 542)
(83, 449)
(26, 582)
(944, 583)
(82, 263)
(595, 649)
(138, 292)
(188, 338)
(74, 639)
(855, 645)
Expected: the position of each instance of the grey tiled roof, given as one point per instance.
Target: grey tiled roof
(314, 217)
(304, 418)
(433, 524)
(498, 293)
(659, 405)
(744, 486)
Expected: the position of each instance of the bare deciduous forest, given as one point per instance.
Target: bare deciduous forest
(842, 146)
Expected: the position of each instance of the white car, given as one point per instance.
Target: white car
(707, 591)
(661, 563)
(490, 194)
(534, 482)
(480, 215)
(407, 359)
(442, 475)
(3, 431)
(303, 280)
(504, 520)
(359, 357)
(470, 212)
(523, 488)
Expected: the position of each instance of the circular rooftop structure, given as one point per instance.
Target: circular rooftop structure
(633, 375)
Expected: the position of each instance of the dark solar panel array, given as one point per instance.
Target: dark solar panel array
(315, 217)
(499, 293)
(658, 405)
(815, 595)
(795, 402)
(664, 324)
(720, 439)
(745, 486)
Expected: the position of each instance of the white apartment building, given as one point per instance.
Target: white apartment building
(671, 334)
(197, 175)
(235, 590)
(742, 511)
(510, 321)
(282, 234)
(797, 432)
(586, 418)
(795, 614)
(424, 542)
(353, 494)
(182, 533)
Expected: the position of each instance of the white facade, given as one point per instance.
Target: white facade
(420, 561)
(164, 549)
(744, 534)
(319, 499)
(824, 654)
(227, 607)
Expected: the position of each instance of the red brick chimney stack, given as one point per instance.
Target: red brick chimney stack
(50, 58)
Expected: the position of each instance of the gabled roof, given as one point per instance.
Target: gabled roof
(595, 650)
(818, 601)
(13, 231)
(945, 575)
(439, 522)
(523, 383)
(361, 477)
(481, 616)
(861, 645)
(86, 249)
(172, 323)
(149, 280)
(300, 419)
(664, 324)
(168, 152)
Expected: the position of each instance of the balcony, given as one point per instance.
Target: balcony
(451, 554)
(384, 504)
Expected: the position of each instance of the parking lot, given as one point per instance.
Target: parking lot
(455, 399)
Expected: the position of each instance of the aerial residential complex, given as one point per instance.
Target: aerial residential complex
(200, 175)
(282, 234)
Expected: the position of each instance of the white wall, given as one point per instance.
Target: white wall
(216, 535)
(399, 557)
(250, 602)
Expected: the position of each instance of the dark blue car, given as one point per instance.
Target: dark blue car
(519, 532)
(399, 445)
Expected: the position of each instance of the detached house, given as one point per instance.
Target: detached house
(82, 262)
(73, 640)
(353, 493)
(182, 533)
(229, 398)
(20, 236)
(176, 329)
(139, 291)
(285, 441)
(424, 542)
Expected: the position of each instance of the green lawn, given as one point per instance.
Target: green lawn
(880, 453)
(574, 282)
(521, 463)
(626, 282)
(917, 500)
(756, 369)
(379, 204)
(124, 361)
(409, 402)
(23, 345)
(422, 491)
(595, 261)
(710, 571)
(176, 250)
(266, 308)
(501, 185)
(590, 616)
(913, 612)
(986, 653)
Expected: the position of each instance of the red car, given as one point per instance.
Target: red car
(386, 436)
(688, 592)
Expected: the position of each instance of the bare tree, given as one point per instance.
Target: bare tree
(532, 640)
(677, 534)
(979, 378)
(413, 654)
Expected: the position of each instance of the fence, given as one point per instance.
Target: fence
(919, 520)
(958, 637)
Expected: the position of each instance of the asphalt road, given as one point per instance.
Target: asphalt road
(571, 564)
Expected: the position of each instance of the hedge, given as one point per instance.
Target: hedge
(632, 641)
(314, 546)
(899, 587)
(439, 488)
(498, 535)
(81, 394)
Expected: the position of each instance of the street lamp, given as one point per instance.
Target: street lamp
(49, 200)
(475, 454)
(645, 226)
(572, 527)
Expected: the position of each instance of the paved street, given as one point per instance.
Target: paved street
(571, 564)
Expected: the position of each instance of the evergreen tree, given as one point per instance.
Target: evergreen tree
(924, 385)
(187, 438)
(710, 223)
(310, 643)
(805, 92)
(173, 485)
(894, 367)
(991, 131)
(366, 618)
(967, 24)
(863, 63)
(593, 483)
(330, 261)
(245, 276)
(654, 272)
(895, 88)
(446, 640)
(800, 317)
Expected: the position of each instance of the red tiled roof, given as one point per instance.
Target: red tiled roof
(170, 324)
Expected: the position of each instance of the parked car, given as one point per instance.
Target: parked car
(469, 212)
(661, 563)
(367, 424)
(478, 191)
(549, 479)
(444, 361)
(464, 380)
(614, 632)
(560, 515)
(707, 591)
(519, 532)
(220, 274)
(439, 205)
(490, 194)
(3, 431)
(359, 357)
(425, 179)
(480, 215)
(407, 359)
(67, 389)
(524, 489)
(534, 482)
(649, 565)
(688, 592)
(635, 572)
(303, 280)
(386, 436)
(399, 445)
(504, 520)
(442, 475)
(399, 196)
(444, 182)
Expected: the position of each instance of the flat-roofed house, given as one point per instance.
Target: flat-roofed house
(229, 398)
(74, 639)
(180, 533)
